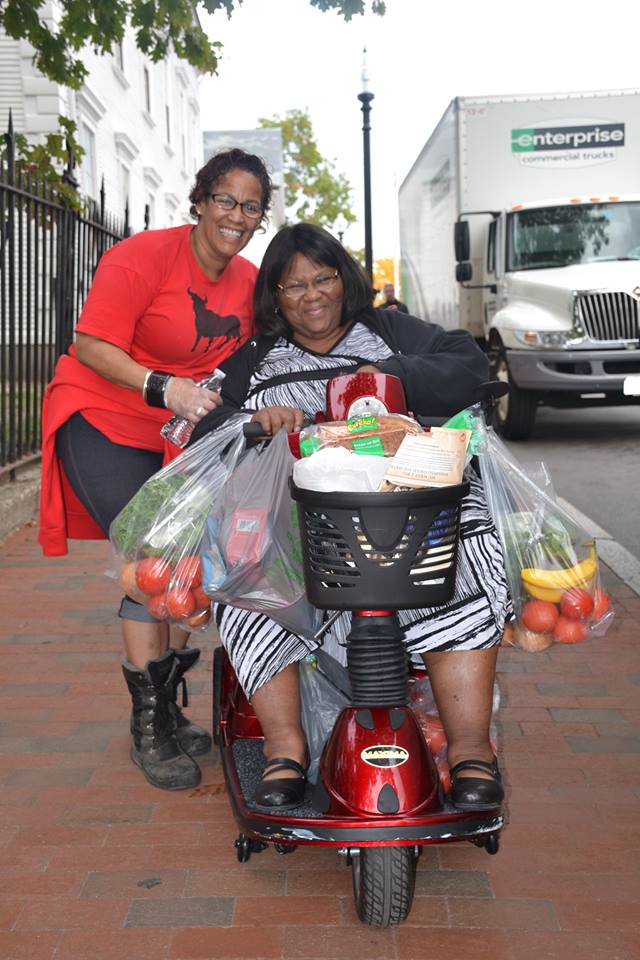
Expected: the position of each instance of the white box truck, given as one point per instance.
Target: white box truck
(520, 222)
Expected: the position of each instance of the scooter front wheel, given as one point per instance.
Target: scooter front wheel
(383, 883)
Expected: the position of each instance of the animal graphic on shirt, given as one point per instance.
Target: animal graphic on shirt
(210, 325)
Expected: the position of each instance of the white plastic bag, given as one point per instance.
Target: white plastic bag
(251, 550)
(321, 701)
(336, 469)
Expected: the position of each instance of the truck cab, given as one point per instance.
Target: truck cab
(559, 282)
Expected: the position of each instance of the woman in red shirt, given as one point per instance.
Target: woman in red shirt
(166, 307)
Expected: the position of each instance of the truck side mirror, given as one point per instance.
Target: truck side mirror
(461, 241)
(464, 271)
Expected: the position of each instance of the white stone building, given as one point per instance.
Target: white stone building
(138, 121)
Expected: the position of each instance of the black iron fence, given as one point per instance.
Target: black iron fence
(48, 256)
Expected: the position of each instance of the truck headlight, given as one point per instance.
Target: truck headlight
(551, 339)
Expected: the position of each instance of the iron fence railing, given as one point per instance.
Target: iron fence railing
(48, 256)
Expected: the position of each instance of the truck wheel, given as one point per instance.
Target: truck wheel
(383, 883)
(515, 413)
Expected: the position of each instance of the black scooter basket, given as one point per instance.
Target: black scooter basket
(373, 551)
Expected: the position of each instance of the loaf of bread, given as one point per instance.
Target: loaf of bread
(390, 429)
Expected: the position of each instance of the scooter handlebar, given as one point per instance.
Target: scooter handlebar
(252, 430)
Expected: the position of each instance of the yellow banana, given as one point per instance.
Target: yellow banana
(551, 584)
(574, 576)
(543, 593)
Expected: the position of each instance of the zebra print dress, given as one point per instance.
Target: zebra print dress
(259, 648)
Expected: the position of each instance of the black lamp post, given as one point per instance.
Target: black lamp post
(365, 99)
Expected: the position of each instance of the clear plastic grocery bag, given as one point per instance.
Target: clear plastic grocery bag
(423, 704)
(156, 538)
(321, 701)
(251, 552)
(551, 561)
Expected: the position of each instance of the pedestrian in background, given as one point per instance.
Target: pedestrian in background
(390, 302)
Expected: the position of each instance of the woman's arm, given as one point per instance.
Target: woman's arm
(182, 396)
(110, 362)
(235, 387)
(439, 369)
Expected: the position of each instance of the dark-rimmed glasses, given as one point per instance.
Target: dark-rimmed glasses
(226, 202)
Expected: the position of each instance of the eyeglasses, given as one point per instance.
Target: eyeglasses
(324, 282)
(250, 208)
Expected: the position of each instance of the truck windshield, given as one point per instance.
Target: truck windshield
(560, 236)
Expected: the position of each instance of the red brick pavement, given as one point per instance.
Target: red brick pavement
(97, 865)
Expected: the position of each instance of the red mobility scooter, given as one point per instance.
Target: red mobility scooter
(378, 797)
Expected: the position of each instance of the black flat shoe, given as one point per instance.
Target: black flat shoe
(285, 791)
(474, 793)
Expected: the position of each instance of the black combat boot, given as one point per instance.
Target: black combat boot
(155, 747)
(193, 739)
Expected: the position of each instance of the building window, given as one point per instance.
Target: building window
(151, 206)
(88, 165)
(167, 118)
(125, 186)
(183, 139)
(147, 90)
(119, 55)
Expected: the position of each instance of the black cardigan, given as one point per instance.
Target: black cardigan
(439, 369)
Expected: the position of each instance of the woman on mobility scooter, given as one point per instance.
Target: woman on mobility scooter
(315, 320)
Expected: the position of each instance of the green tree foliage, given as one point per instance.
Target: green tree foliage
(314, 191)
(46, 163)
(158, 24)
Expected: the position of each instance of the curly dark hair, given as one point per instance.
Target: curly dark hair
(321, 248)
(224, 162)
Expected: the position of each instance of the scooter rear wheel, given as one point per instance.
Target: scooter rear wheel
(383, 883)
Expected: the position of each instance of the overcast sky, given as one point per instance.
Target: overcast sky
(283, 54)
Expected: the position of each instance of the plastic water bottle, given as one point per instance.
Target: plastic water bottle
(178, 429)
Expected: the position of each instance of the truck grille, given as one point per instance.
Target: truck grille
(609, 316)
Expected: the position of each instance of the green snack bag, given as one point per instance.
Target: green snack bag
(466, 420)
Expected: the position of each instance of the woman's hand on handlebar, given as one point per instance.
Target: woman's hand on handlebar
(187, 399)
(272, 418)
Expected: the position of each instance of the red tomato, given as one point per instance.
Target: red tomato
(188, 573)
(576, 604)
(200, 619)
(601, 603)
(180, 603)
(157, 606)
(153, 575)
(569, 631)
(436, 739)
(539, 615)
(202, 600)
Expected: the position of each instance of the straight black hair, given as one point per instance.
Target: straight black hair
(321, 248)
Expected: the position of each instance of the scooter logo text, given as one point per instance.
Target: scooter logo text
(383, 755)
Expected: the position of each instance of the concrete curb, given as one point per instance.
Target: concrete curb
(617, 558)
(19, 500)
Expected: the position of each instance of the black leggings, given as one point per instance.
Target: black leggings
(104, 476)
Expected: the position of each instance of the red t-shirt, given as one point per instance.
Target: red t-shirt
(150, 298)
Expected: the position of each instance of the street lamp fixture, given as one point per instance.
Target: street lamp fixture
(365, 99)
(340, 225)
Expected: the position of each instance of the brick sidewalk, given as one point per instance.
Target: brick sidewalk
(98, 865)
